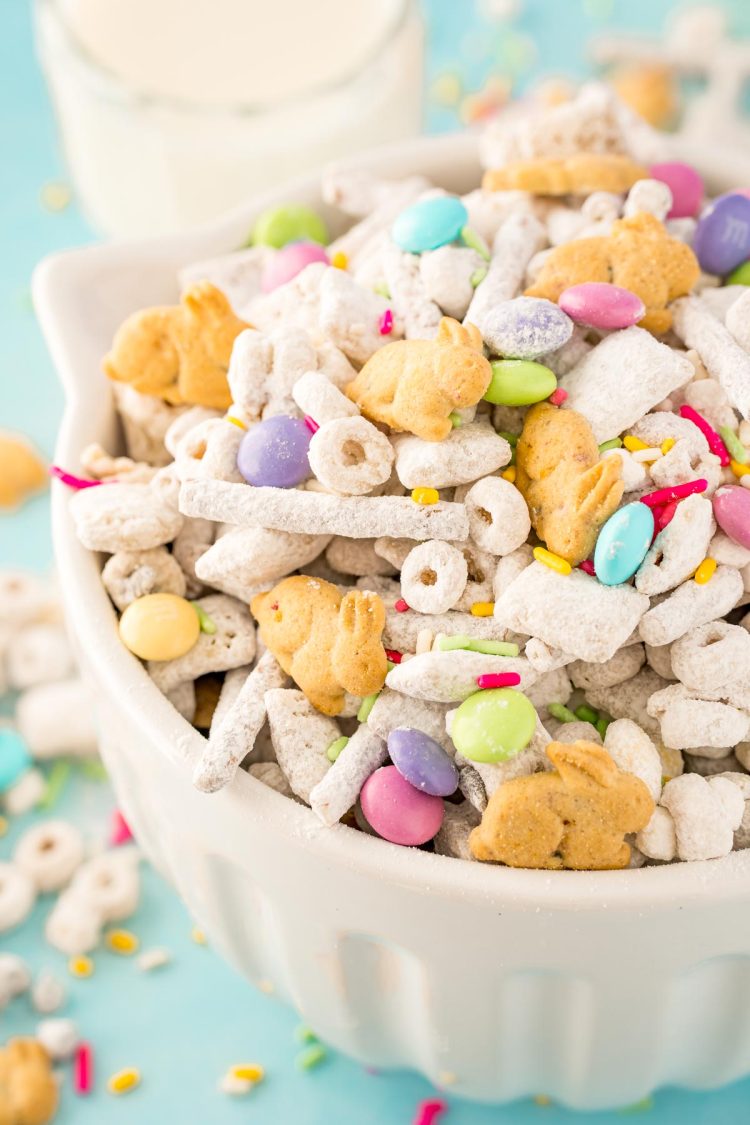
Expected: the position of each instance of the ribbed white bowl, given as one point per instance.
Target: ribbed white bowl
(593, 988)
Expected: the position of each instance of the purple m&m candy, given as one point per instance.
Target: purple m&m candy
(397, 811)
(722, 236)
(598, 304)
(732, 511)
(685, 184)
(290, 260)
(422, 761)
(274, 452)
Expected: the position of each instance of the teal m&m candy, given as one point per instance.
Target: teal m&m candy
(494, 725)
(15, 759)
(289, 222)
(430, 223)
(623, 543)
(519, 382)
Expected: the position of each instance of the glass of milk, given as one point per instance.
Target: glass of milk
(173, 111)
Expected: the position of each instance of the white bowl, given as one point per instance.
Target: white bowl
(593, 988)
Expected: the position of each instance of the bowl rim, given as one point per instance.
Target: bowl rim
(60, 284)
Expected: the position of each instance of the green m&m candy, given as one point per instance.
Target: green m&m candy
(289, 222)
(494, 725)
(740, 275)
(519, 382)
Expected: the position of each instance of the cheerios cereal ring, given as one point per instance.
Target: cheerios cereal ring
(351, 456)
(49, 853)
(433, 577)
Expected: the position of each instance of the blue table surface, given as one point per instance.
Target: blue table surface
(185, 1024)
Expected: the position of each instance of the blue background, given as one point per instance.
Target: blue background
(184, 1025)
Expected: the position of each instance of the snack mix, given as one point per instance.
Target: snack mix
(442, 527)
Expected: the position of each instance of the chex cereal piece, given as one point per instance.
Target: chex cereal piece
(629, 700)
(687, 722)
(232, 645)
(633, 751)
(357, 557)
(123, 517)
(453, 836)
(516, 242)
(193, 540)
(392, 711)
(452, 461)
(448, 275)
(679, 549)
(339, 789)
(408, 298)
(128, 575)
(300, 737)
(620, 667)
(402, 629)
(244, 561)
(450, 677)
(725, 360)
(705, 815)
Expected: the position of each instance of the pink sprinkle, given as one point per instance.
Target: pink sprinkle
(386, 323)
(587, 567)
(558, 396)
(678, 492)
(70, 480)
(120, 831)
(393, 655)
(663, 516)
(311, 424)
(400, 606)
(498, 679)
(83, 1069)
(715, 444)
(429, 1110)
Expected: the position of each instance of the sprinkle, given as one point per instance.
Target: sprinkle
(429, 1111)
(455, 419)
(509, 474)
(124, 1081)
(553, 561)
(633, 444)
(311, 424)
(311, 1057)
(265, 986)
(248, 1072)
(235, 1087)
(498, 679)
(738, 468)
(478, 276)
(663, 516)
(83, 1069)
(446, 89)
(735, 448)
(643, 456)
(512, 439)
(56, 780)
(677, 492)
(666, 446)
(366, 707)
(207, 624)
(587, 714)
(447, 1078)
(483, 609)
(93, 769)
(489, 648)
(425, 495)
(393, 655)
(339, 260)
(4, 826)
(120, 830)
(305, 1034)
(705, 572)
(715, 444)
(587, 567)
(542, 1099)
(560, 712)
(475, 242)
(236, 422)
(55, 196)
(152, 959)
(386, 323)
(122, 942)
(601, 725)
(81, 967)
(70, 480)
(400, 606)
(198, 936)
(336, 747)
(643, 1106)
(424, 641)
(613, 443)
(558, 396)
(381, 289)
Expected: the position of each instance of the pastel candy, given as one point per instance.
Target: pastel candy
(519, 382)
(685, 184)
(526, 327)
(397, 811)
(494, 725)
(274, 453)
(740, 276)
(159, 627)
(430, 223)
(732, 512)
(623, 543)
(15, 759)
(598, 304)
(722, 236)
(289, 261)
(422, 761)
(288, 222)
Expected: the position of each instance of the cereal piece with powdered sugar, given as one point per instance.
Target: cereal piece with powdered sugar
(679, 549)
(448, 275)
(488, 210)
(466, 451)
(408, 298)
(687, 722)
(402, 629)
(625, 664)
(339, 789)
(356, 557)
(394, 550)
(350, 456)
(264, 368)
(102, 466)
(574, 732)
(39, 653)
(472, 787)
(481, 566)
(128, 575)
(517, 240)
(705, 815)
(209, 449)
(271, 774)
(652, 196)
(238, 275)
(300, 737)
(392, 711)
(193, 416)
(549, 687)
(191, 542)
(451, 677)
(564, 358)
(230, 689)
(499, 519)
(320, 399)
(709, 657)
(543, 658)
(56, 718)
(375, 202)
(728, 553)
(725, 360)
(691, 604)
(231, 645)
(658, 657)
(453, 837)
(245, 560)
(433, 577)
(633, 751)
(629, 700)
(183, 699)
(123, 517)
(145, 421)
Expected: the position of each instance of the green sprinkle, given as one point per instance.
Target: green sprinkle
(478, 276)
(735, 448)
(512, 439)
(455, 419)
(601, 725)
(587, 714)
(56, 780)
(336, 747)
(461, 641)
(448, 644)
(562, 713)
(305, 1034)
(207, 624)
(311, 1057)
(476, 242)
(93, 769)
(381, 288)
(642, 1106)
(366, 707)
(613, 443)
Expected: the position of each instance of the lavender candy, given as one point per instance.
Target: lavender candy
(526, 327)
(722, 236)
(274, 452)
(422, 762)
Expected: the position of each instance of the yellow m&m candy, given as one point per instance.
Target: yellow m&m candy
(159, 627)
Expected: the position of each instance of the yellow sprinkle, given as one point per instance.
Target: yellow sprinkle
(633, 444)
(705, 571)
(425, 495)
(667, 445)
(236, 422)
(542, 1099)
(553, 561)
(198, 936)
(509, 474)
(55, 196)
(446, 89)
(124, 1081)
(483, 609)
(248, 1072)
(738, 468)
(122, 941)
(4, 825)
(339, 260)
(81, 966)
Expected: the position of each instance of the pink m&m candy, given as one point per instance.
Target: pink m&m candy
(732, 511)
(290, 260)
(598, 304)
(397, 811)
(685, 184)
